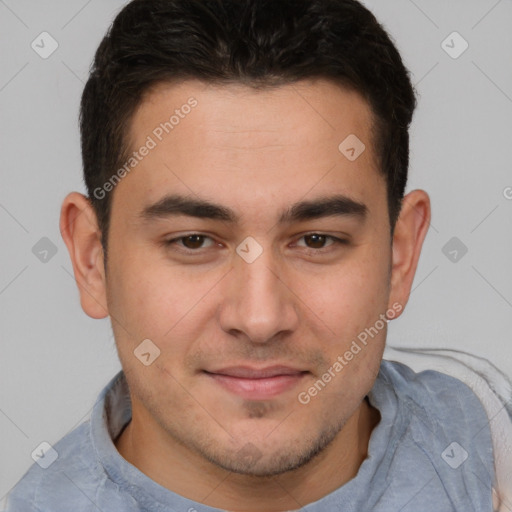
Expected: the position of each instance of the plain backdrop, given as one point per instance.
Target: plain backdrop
(55, 360)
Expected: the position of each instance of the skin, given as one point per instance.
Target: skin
(301, 303)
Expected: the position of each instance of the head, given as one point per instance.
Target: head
(246, 162)
(262, 44)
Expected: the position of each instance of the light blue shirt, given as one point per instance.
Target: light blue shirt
(431, 452)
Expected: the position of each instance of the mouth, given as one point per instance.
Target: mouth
(257, 384)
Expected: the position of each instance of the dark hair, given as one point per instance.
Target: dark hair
(258, 43)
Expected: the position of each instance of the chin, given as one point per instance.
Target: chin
(256, 460)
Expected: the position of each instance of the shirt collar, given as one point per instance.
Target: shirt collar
(112, 412)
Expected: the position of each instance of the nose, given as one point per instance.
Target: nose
(258, 302)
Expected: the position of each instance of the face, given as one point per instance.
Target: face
(258, 304)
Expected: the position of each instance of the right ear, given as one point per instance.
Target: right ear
(82, 236)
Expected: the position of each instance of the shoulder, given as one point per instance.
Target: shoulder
(59, 476)
(444, 414)
(437, 394)
(492, 389)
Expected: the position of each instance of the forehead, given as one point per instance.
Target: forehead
(315, 109)
(242, 145)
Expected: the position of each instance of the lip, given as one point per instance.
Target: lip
(257, 384)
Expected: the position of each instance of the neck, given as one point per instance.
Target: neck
(174, 467)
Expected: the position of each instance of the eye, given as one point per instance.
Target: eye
(318, 241)
(191, 241)
(311, 242)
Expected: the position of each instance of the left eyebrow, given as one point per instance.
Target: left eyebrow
(173, 205)
(339, 205)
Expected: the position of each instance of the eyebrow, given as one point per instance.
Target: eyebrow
(172, 205)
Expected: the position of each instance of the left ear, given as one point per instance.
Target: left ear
(410, 231)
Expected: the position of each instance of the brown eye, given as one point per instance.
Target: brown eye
(320, 243)
(193, 241)
(315, 241)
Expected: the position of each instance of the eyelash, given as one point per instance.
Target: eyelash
(308, 250)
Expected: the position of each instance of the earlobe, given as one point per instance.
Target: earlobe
(410, 232)
(81, 234)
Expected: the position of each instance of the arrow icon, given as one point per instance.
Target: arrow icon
(351, 147)
(44, 45)
(454, 249)
(44, 455)
(44, 250)
(249, 249)
(454, 455)
(454, 45)
(147, 352)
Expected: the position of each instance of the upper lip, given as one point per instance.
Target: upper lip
(247, 372)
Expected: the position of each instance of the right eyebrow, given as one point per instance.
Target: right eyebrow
(182, 205)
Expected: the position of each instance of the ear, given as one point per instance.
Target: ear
(82, 236)
(410, 231)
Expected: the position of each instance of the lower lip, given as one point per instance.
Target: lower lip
(258, 389)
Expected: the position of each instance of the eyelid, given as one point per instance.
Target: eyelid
(335, 239)
(175, 241)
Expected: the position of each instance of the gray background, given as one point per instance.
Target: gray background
(55, 360)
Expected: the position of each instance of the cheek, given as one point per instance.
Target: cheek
(155, 300)
(351, 296)
(139, 294)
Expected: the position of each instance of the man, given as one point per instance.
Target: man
(246, 231)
